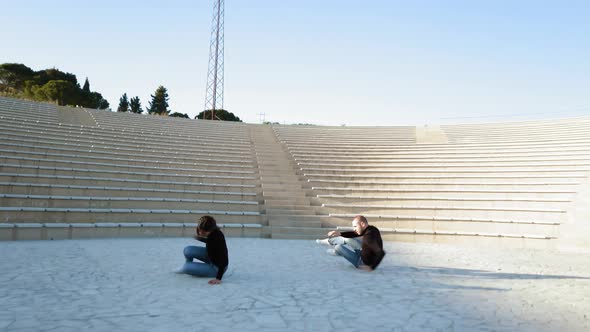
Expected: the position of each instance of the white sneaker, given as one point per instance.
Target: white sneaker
(179, 270)
(325, 242)
(331, 252)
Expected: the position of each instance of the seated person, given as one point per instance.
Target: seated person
(212, 259)
(370, 253)
(352, 242)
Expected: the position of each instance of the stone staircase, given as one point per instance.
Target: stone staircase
(430, 134)
(288, 213)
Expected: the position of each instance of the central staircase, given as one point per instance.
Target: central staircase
(288, 212)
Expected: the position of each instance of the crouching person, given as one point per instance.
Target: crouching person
(212, 260)
(371, 251)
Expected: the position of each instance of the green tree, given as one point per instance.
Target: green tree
(123, 104)
(14, 75)
(86, 87)
(58, 91)
(18, 80)
(179, 115)
(222, 115)
(135, 105)
(97, 101)
(159, 103)
(30, 88)
(43, 76)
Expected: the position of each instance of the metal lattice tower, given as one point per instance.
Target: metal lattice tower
(214, 93)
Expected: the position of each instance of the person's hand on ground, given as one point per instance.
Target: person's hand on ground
(214, 282)
(333, 233)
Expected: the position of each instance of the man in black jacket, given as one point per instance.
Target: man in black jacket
(371, 252)
(213, 258)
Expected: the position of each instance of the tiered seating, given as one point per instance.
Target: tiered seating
(348, 136)
(78, 172)
(444, 192)
(162, 173)
(16, 109)
(571, 129)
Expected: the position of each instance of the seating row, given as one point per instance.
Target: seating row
(62, 231)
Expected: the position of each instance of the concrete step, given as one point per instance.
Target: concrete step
(516, 214)
(304, 211)
(325, 220)
(284, 195)
(274, 163)
(55, 215)
(280, 186)
(45, 201)
(122, 166)
(297, 232)
(285, 174)
(467, 202)
(287, 202)
(66, 190)
(484, 242)
(280, 182)
(505, 193)
(290, 222)
(470, 226)
(130, 175)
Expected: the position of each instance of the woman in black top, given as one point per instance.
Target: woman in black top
(213, 258)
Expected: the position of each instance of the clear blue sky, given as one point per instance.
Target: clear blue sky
(328, 62)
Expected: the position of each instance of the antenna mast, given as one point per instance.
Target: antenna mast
(214, 93)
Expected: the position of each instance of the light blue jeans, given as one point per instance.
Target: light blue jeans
(352, 242)
(352, 255)
(198, 269)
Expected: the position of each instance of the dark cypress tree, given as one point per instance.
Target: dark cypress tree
(123, 104)
(135, 105)
(159, 103)
(86, 87)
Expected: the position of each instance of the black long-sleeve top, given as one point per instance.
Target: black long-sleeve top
(372, 245)
(216, 250)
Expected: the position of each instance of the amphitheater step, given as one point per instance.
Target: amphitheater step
(324, 220)
(283, 194)
(482, 241)
(297, 232)
(276, 202)
(281, 187)
(289, 221)
(62, 231)
(62, 215)
(471, 226)
(303, 211)
(95, 191)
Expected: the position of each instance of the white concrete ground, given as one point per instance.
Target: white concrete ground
(288, 285)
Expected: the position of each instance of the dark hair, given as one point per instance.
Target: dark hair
(207, 224)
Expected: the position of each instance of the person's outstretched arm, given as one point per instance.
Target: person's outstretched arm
(217, 249)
